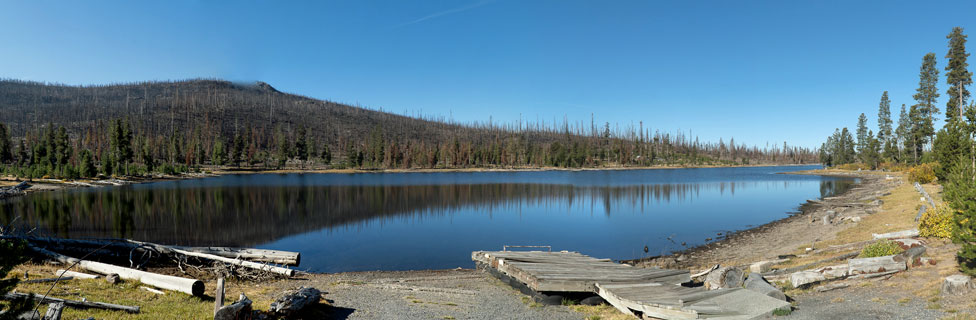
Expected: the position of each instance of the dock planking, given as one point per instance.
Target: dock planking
(654, 293)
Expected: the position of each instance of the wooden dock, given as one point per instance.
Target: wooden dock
(645, 293)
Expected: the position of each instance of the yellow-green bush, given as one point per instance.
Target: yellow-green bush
(881, 248)
(936, 223)
(923, 173)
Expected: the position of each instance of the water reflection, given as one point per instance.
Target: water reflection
(247, 215)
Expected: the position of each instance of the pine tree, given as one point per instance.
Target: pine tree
(926, 96)
(218, 155)
(958, 76)
(87, 164)
(951, 144)
(902, 132)
(5, 146)
(918, 134)
(326, 155)
(863, 138)
(885, 138)
(960, 193)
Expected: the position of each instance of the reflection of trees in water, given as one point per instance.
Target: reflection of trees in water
(251, 215)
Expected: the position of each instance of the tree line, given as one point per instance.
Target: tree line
(172, 127)
(951, 150)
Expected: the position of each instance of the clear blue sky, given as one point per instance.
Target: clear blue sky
(757, 71)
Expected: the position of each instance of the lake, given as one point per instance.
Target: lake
(405, 221)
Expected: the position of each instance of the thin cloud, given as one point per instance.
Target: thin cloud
(446, 12)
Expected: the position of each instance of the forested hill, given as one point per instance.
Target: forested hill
(194, 123)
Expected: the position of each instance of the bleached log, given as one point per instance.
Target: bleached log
(897, 234)
(724, 277)
(242, 263)
(46, 280)
(72, 303)
(874, 265)
(190, 286)
(77, 275)
(257, 255)
(233, 311)
(54, 311)
(802, 278)
(294, 302)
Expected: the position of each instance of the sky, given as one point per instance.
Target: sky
(756, 71)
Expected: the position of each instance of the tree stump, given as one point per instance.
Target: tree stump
(957, 284)
(724, 277)
(233, 311)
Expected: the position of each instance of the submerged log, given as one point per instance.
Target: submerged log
(72, 303)
(190, 286)
(294, 302)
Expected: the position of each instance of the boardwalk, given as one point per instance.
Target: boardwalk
(642, 292)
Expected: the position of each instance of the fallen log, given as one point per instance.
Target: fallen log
(242, 263)
(77, 275)
(874, 265)
(54, 311)
(46, 280)
(724, 277)
(72, 303)
(896, 235)
(798, 279)
(294, 302)
(190, 286)
(234, 310)
(257, 255)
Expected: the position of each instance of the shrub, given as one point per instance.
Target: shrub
(13, 255)
(894, 167)
(923, 173)
(880, 249)
(936, 222)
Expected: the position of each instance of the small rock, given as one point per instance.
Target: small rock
(592, 301)
(906, 243)
(113, 278)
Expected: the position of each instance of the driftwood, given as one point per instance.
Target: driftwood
(257, 255)
(875, 265)
(46, 280)
(802, 278)
(242, 263)
(54, 311)
(77, 275)
(724, 277)
(897, 234)
(73, 303)
(296, 301)
(232, 311)
(219, 296)
(132, 244)
(185, 285)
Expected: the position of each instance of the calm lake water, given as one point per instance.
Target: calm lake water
(401, 221)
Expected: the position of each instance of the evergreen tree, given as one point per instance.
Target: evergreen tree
(863, 138)
(237, 150)
(960, 194)
(284, 149)
(885, 137)
(926, 96)
(87, 164)
(218, 155)
(326, 155)
(951, 144)
(958, 76)
(301, 146)
(902, 132)
(108, 166)
(5, 146)
(919, 133)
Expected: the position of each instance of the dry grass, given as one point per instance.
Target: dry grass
(602, 312)
(172, 305)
